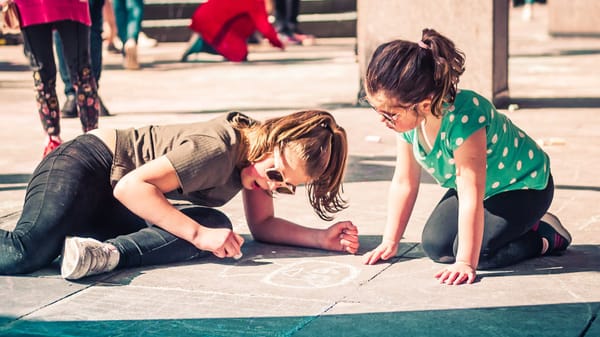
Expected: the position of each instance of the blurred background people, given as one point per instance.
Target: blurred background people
(69, 108)
(224, 26)
(109, 29)
(286, 22)
(71, 18)
(128, 16)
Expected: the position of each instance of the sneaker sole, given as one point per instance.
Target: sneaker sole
(555, 223)
(71, 259)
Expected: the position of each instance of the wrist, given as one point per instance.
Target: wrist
(465, 263)
(388, 240)
(320, 239)
(197, 236)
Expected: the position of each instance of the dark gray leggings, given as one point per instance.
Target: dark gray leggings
(507, 235)
(70, 194)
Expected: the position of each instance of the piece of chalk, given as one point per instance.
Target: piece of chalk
(239, 256)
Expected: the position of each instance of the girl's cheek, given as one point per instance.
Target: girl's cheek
(247, 177)
(250, 176)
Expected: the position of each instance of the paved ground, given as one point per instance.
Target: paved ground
(287, 291)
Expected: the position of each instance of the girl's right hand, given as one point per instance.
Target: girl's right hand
(222, 242)
(385, 250)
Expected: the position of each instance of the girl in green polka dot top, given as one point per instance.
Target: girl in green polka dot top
(500, 175)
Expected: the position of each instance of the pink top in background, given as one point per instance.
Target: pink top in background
(34, 12)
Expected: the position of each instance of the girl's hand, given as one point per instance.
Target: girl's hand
(385, 250)
(222, 242)
(457, 273)
(342, 236)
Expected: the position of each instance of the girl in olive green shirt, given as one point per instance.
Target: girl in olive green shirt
(108, 199)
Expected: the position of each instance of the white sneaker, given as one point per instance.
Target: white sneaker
(84, 257)
(117, 43)
(146, 42)
(131, 55)
(527, 13)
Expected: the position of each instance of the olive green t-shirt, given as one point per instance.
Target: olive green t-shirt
(514, 160)
(204, 156)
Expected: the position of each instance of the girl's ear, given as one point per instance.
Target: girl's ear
(424, 105)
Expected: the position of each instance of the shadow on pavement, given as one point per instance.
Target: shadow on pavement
(556, 102)
(14, 67)
(12, 182)
(564, 52)
(525, 320)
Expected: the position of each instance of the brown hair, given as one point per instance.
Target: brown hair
(318, 140)
(411, 72)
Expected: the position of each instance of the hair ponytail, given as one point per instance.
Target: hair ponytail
(448, 66)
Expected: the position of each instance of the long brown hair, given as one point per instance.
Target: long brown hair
(318, 141)
(411, 72)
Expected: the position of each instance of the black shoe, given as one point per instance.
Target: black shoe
(103, 110)
(69, 110)
(111, 48)
(557, 235)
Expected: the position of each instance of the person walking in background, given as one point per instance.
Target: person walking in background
(114, 183)
(499, 180)
(109, 31)
(69, 108)
(128, 16)
(224, 26)
(527, 11)
(71, 18)
(286, 22)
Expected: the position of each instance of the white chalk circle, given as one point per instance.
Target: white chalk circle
(312, 274)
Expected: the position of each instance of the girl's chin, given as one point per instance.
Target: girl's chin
(252, 186)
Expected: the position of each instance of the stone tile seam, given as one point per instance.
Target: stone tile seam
(589, 323)
(393, 261)
(183, 290)
(16, 319)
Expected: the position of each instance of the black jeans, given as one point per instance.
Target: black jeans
(507, 234)
(70, 194)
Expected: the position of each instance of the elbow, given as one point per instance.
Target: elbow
(260, 232)
(260, 238)
(406, 186)
(122, 188)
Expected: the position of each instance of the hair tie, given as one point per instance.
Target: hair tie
(326, 126)
(423, 45)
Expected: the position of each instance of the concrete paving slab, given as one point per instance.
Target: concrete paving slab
(265, 270)
(180, 312)
(24, 295)
(540, 281)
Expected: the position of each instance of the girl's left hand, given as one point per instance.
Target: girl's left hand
(342, 236)
(457, 273)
